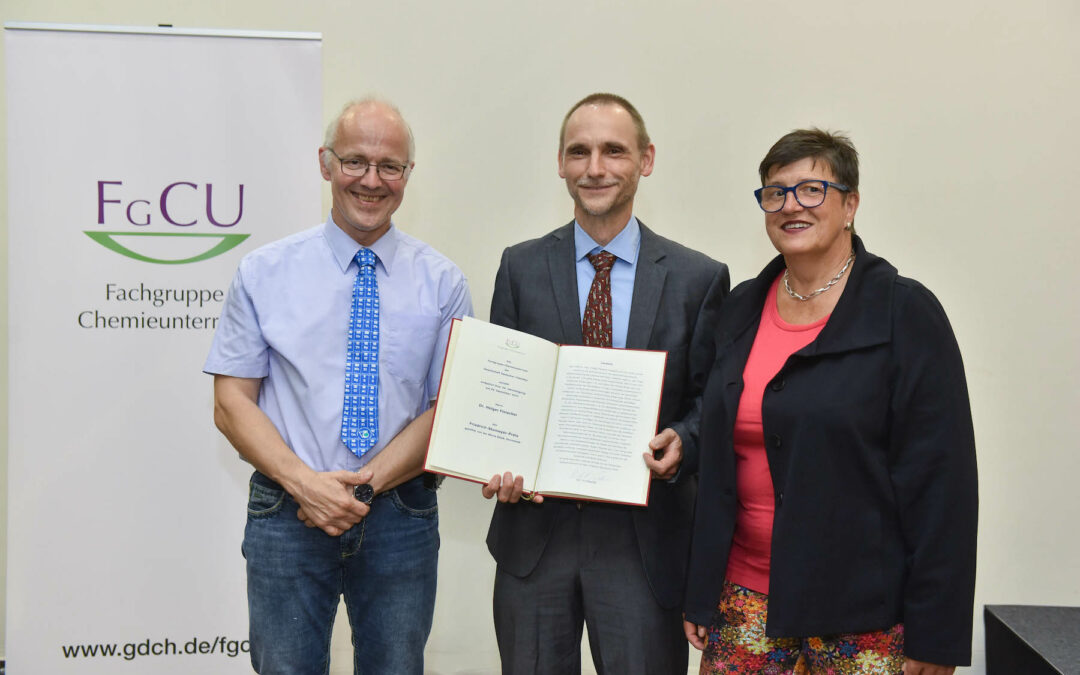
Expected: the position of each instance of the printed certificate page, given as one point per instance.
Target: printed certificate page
(493, 403)
(604, 411)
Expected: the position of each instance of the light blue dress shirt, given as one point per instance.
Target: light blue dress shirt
(286, 320)
(625, 247)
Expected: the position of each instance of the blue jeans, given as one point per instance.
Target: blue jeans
(385, 567)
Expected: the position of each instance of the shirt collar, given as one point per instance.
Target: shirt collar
(344, 248)
(624, 246)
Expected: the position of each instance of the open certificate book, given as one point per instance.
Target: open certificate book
(572, 421)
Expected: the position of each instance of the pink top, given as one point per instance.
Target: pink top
(776, 340)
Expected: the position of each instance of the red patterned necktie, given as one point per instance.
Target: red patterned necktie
(596, 326)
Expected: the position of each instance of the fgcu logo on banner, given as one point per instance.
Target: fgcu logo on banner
(180, 205)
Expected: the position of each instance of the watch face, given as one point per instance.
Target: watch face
(364, 493)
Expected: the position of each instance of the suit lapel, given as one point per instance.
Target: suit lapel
(563, 271)
(648, 287)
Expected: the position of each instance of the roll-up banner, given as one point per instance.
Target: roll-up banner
(142, 164)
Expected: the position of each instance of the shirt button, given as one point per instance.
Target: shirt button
(778, 383)
(780, 498)
(776, 440)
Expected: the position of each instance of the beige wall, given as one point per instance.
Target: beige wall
(965, 115)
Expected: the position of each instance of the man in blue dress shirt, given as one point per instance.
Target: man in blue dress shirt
(315, 531)
(618, 569)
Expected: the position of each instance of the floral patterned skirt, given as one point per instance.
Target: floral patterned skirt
(737, 644)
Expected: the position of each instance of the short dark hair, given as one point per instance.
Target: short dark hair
(833, 148)
(604, 98)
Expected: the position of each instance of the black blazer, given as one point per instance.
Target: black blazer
(676, 298)
(870, 444)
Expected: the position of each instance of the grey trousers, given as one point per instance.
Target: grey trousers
(590, 573)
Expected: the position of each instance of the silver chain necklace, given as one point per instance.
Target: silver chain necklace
(832, 282)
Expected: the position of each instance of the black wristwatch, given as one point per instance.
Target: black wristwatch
(364, 493)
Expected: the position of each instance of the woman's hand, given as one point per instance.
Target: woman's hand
(695, 634)
(913, 667)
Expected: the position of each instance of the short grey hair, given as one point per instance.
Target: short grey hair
(330, 138)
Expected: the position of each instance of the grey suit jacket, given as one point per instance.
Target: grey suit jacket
(676, 299)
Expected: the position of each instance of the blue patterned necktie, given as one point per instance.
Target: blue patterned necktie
(360, 415)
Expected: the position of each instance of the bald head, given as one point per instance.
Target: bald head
(369, 107)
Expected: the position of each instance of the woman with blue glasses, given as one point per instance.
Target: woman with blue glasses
(837, 505)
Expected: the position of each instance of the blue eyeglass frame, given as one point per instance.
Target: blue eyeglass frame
(792, 190)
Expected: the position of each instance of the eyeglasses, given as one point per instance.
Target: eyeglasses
(358, 167)
(809, 193)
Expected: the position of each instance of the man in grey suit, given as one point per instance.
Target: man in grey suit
(618, 569)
